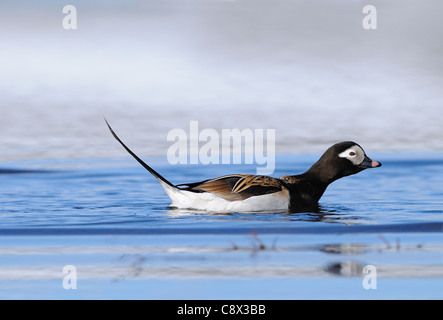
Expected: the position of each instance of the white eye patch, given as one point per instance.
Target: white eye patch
(354, 154)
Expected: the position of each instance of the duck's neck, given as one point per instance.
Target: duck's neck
(322, 173)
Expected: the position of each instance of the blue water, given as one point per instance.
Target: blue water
(110, 219)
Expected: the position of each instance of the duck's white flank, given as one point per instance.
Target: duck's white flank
(207, 201)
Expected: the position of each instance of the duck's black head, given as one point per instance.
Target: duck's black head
(340, 160)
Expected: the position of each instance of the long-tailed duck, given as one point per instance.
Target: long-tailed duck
(246, 193)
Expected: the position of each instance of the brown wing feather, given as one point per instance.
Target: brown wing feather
(221, 188)
(238, 187)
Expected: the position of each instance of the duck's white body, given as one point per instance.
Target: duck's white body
(206, 201)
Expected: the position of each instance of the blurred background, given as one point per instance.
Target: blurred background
(306, 68)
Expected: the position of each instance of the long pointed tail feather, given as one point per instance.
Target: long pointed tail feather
(158, 176)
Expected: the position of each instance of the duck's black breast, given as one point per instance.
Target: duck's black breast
(303, 191)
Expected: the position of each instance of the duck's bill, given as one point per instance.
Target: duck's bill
(369, 163)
